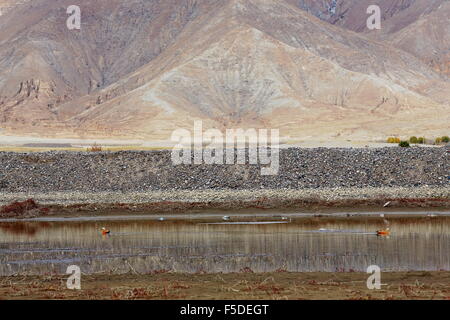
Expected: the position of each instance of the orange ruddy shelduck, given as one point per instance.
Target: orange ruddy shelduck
(385, 232)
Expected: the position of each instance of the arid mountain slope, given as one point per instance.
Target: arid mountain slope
(420, 27)
(144, 68)
(352, 14)
(43, 64)
(8, 5)
(427, 38)
(239, 70)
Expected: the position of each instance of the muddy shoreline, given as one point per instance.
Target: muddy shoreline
(242, 286)
(249, 207)
(237, 207)
(185, 202)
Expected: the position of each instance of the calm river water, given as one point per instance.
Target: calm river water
(296, 244)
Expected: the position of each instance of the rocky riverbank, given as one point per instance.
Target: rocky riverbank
(327, 176)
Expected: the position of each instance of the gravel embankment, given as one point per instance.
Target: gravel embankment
(128, 177)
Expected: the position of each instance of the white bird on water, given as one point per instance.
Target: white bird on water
(226, 218)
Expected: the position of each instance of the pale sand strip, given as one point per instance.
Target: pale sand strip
(217, 196)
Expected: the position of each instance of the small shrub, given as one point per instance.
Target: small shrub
(421, 140)
(445, 139)
(414, 140)
(438, 141)
(95, 148)
(393, 140)
(404, 144)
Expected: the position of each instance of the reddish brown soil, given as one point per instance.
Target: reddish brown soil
(23, 209)
(260, 204)
(245, 285)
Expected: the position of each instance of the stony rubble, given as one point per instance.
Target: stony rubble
(152, 171)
